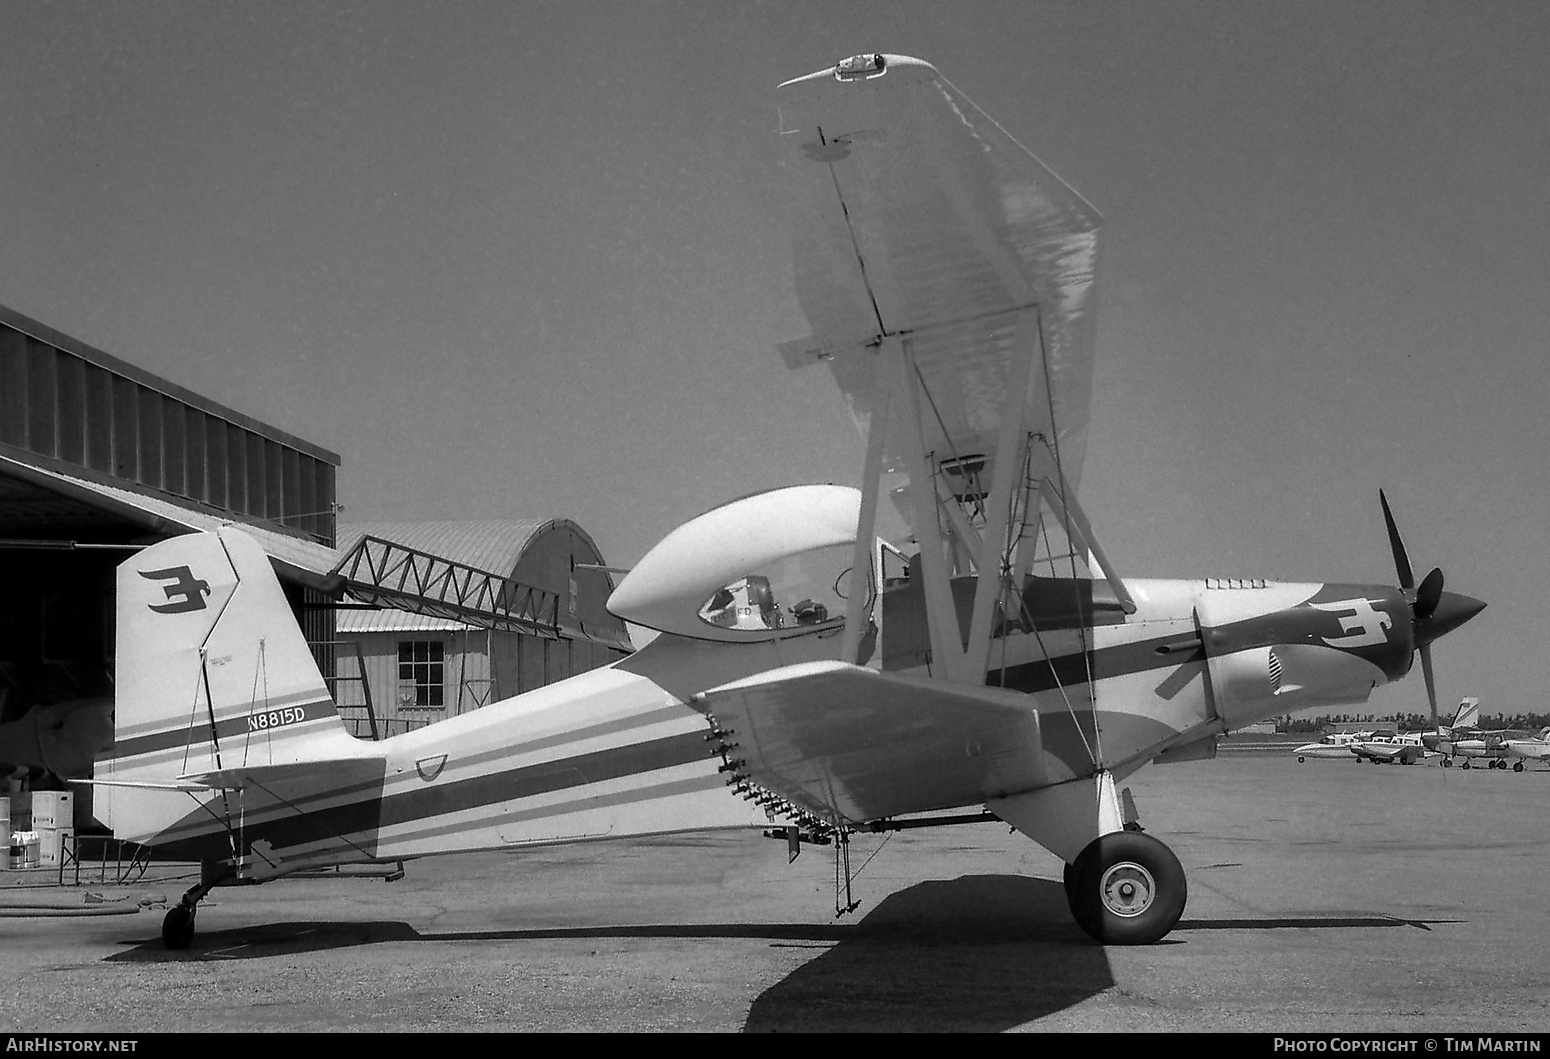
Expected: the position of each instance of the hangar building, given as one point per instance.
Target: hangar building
(412, 669)
(98, 457)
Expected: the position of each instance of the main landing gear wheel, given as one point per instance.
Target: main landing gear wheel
(1517, 766)
(177, 929)
(1126, 888)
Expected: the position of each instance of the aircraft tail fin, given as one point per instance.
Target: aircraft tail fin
(1468, 715)
(212, 673)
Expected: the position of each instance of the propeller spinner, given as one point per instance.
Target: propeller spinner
(1433, 612)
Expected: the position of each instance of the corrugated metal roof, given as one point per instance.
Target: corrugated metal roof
(362, 621)
(491, 545)
(302, 560)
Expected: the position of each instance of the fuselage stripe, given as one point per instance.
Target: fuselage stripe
(371, 813)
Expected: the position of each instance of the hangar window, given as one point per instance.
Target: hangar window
(421, 674)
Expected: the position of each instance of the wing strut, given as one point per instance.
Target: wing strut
(859, 611)
(941, 616)
(1018, 468)
(1062, 500)
(1004, 477)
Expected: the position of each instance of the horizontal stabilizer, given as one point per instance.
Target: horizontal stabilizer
(338, 771)
(148, 785)
(236, 779)
(849, 743)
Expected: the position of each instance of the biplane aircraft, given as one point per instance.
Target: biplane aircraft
(804, 681)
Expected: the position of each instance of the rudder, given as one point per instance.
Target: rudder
(211, 672)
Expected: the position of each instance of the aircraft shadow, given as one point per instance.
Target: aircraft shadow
(974, 953)
(264, 940)
(1306, 922)
(978, 953)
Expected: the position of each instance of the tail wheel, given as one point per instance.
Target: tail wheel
(177, 929)
(1126, 888)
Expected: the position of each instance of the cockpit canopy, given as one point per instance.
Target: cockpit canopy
(769, 565)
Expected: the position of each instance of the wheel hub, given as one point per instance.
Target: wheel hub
(1127, 889)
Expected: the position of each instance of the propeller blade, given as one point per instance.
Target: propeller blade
(1401, 560)
(1428, 595)
(1431, 683)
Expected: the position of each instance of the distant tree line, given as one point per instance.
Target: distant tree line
(1408, 722)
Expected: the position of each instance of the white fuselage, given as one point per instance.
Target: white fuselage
(1335, 746)
(621, 750)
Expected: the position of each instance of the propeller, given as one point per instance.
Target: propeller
(1433, 612)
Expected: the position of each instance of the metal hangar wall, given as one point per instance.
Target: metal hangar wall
(97, 458)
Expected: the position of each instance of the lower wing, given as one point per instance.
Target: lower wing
(850, 744)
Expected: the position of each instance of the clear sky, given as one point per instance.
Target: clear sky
(530, 259)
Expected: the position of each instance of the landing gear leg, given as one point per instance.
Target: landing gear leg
(1126, 888)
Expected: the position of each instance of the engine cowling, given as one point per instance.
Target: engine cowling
(1274, 648)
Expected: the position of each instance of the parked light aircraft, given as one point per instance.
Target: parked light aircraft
(1530, 748)
(795, 685)
(1387, 746)
(1335, 745)
(1440, 739)
(1498, 748)
(1378, 746)
(1404, 748)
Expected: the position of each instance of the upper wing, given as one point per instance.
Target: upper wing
(948, 278)
(852, 744)
(917, 215)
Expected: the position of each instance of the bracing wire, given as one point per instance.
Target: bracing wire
(1065, 509)
(302, 814)
(1092, 752)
